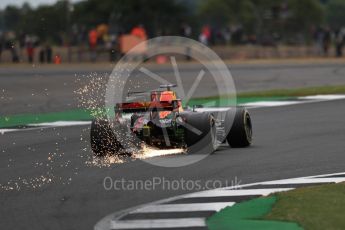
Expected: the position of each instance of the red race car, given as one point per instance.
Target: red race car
(162, 122)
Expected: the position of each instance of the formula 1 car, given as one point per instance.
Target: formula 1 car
(162, 122)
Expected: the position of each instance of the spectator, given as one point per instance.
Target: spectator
(0, 49)
(29, 44)
(41, 55)
(12, 44)
(111, 45)
(48, 53)
(205, 35)
(14, 51)
(227, 35)
(326, 41)
(318, 38)
(339, 42)
(186, 30)
(139, 31)
(1, 44)
(93, 36)
(30, 51)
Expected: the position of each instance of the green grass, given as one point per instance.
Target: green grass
(268, 95)
(221, 101)
(25, 119)
(313, 208)
(340, 89)
(247, 216)
(283, 93)
(310, 208)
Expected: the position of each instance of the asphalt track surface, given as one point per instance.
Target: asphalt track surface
(289, 141)
(21, 93)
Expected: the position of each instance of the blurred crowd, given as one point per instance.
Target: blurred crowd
(324, 37)
(88, 44)
(92, 30)
(28, 46)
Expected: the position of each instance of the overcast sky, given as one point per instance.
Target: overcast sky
(33, 3)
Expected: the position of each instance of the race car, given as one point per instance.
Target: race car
(162, 122)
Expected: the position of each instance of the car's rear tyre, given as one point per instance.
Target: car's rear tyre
(240, 134)
(103, 140)
(200, 133)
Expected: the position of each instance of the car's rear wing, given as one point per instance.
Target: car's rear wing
(136, 107)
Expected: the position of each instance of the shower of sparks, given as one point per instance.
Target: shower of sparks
(91, 91)
(148, 152)
(105, 161)
(91, 94)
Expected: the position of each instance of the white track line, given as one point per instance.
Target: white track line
(270, 103)
(324, 175)
(208, 109)
(2, 131)
(47, 125)
(301, 100)
(184, 207)
(62, 123)
(158, 223)
(238, 192)
(305, 181)
(323, 97)
(293, 180)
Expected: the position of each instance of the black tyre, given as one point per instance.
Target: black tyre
(240, 134)
(200, 133)
(103, 140)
